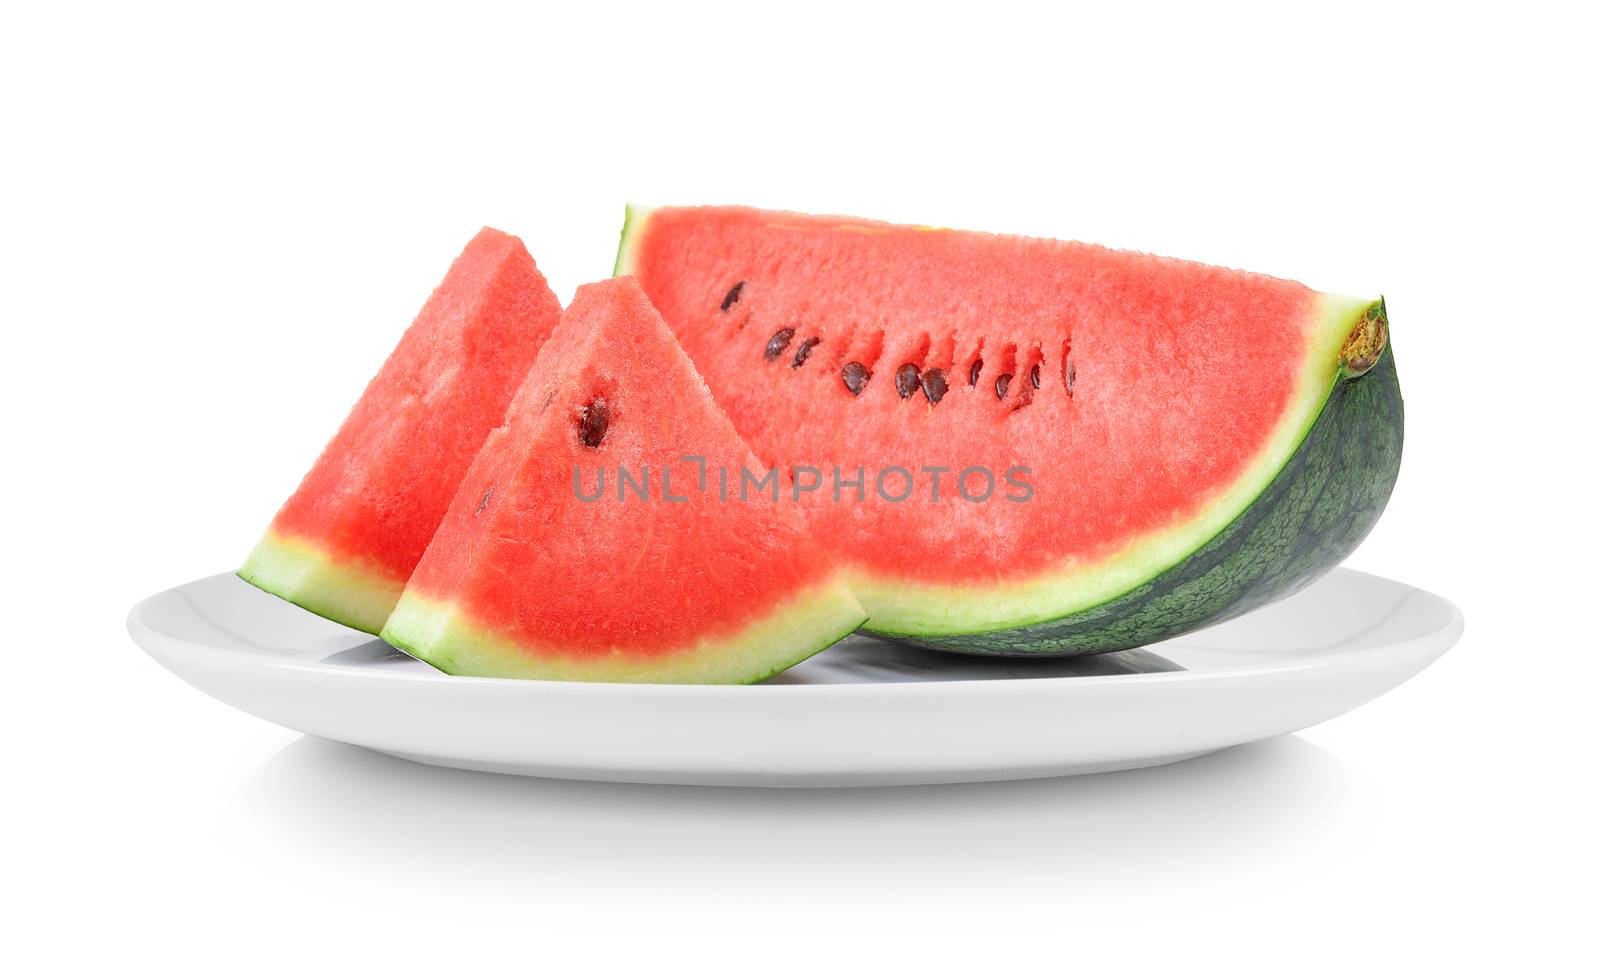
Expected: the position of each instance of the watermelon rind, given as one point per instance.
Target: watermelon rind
(438, 633)
(633, 218)
(345, 591)
(1304, 520)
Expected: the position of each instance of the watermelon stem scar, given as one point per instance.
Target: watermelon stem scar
(1365, 343)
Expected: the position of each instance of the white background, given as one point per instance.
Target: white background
(215, 225)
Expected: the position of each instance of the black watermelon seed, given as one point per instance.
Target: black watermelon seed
(778, 343)
(972, 374)
(907, 379)
(855, 377)
(803, 351)
(1071, 376)
(1002, 384)
(733, 296)
(1033, 376)
(593, 422)
(934, 386)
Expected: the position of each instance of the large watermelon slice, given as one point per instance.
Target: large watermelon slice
(1148, 445)
(554, 564)
(346, 541)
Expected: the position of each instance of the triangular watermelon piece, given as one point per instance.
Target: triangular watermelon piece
(552, 564)
(346, 541)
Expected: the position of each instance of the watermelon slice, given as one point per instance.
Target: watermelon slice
(552, 563)
(1065, 448)
(346, 541)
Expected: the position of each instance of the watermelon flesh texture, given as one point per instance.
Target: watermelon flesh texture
(348, 538)
(1161, 410)
(526, 578)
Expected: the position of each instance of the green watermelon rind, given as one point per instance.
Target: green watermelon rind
(311, 578)
(1317, 509)
(441, 635)
(633, 218)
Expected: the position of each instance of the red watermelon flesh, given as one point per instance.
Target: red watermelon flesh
(347, 539)
(1149, 400)
(525, 578)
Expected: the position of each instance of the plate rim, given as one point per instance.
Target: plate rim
(1428, 645)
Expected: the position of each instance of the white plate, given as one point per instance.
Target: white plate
(865, 712)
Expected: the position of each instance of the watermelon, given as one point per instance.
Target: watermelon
(605, 532)
(347, 539)
(1029, 446)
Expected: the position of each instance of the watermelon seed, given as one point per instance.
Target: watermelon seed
(594, 421)
(483, 504)
(855, 377)
(778, 343)
(907, 379)
(972, 374)
(803, 351)
(934, 386)
(1002, 384)
(1071, 377)
(733, 296)
(1033, 376)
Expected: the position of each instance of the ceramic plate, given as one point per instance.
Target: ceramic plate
(865, 712)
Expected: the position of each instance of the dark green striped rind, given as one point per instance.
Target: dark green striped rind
(1315, 512)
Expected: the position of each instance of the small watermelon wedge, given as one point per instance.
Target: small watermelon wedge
(345, 543)
(1050, 448)
(606, 531)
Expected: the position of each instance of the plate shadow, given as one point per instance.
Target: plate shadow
(433, 824)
